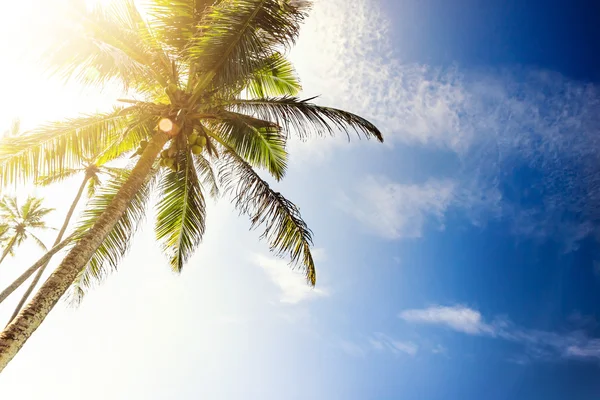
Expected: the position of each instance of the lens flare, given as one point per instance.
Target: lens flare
(165, 125)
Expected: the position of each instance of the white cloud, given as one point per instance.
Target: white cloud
(459, 318)
(292, 284)
(352, 349)
(381, 343)
(395, 210)
(538, 345)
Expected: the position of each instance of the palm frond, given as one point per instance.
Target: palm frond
(176, 22)
(274, 76)
(107, 44)
(181, 212)
(9, 210)
(54, 147)
(118, 241)
(140, 127)
(303, 118)
(285, 230)
(59, 176)
(234, 34)
(207, 174)
(258, 142)
(92, 185)
(33, 213)
(39, 242)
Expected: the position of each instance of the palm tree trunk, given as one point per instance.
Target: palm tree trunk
(57, 241)
(25, 275)
(8, 248)
(14, 336)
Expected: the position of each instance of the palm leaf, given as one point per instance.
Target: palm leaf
(237, 33)
(259, 142)
(110, 43)
(285, 230)
(181, 212)
(55, 147)
(207, 174)
(303, 117)
(59, 176)
(176, 22)
(274, 76)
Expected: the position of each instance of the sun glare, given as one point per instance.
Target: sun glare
(165, 125)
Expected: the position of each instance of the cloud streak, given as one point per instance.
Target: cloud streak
(397, 211)
(379, 343)
(538, 344)
(292, 284)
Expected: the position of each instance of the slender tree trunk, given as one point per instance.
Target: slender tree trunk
(8, 248)
(57, 241)
(25, 275)
(14, 336)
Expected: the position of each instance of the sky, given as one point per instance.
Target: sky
(458, 260)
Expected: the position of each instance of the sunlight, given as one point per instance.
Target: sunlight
(165, 125)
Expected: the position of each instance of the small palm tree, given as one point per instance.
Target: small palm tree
(214, 100)
(20, 222)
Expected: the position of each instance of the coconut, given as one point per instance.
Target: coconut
(197, 149)
(192, 138)
(169, 162)
(201, 141)
(164, 153)
(172, 88)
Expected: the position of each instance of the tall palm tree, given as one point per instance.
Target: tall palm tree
(20, 222)
(215, 100)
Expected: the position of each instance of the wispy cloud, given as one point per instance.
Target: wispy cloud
(352, 349)
(396, 211)
(498, 123)
(291, 283)
(379, 343)
(538, 344)
(459, 318)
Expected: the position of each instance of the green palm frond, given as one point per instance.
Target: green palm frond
(92, 186)
(304, 118)
(140, 127)
(59, 176)
(274, 76)
(285, 230)
(33, 213)
(259, 142)
(54, 147)
(118, 241)
(181, 212)
(176, 22)
(206, 174)
(38, 241)
(109, 43)
(237, 33)
(9, 210)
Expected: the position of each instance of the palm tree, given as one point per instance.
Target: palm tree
(19, 222)
(216, 100)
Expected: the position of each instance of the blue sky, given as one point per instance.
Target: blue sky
(457, 261)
